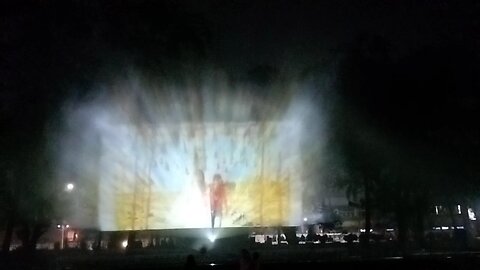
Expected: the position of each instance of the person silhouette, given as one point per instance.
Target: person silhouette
(190, 263)
(255, 265)
(245, 260)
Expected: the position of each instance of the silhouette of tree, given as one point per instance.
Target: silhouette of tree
(362, 75)
(404, 129)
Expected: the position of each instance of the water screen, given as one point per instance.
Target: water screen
(198, 176)
(144, 159)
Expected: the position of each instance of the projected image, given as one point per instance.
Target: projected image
(199, 176)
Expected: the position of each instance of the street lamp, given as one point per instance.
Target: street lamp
(62, 227)
(69, 187)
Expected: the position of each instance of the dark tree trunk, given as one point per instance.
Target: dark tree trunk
(24, 235)
(99, 241)
(420, 229)
(38, 230)
(7, 240)
(469, 235)
(451, 214)
(402, 231)
(368, 211)
(29, 235)
(457, 242)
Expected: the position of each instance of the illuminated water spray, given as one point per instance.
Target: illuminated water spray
(204, 155)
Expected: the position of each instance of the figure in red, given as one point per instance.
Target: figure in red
(218, 199)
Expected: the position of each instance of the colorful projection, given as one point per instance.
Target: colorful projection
(145, 155)
(199, 175)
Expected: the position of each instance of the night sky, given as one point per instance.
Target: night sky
(78, 40)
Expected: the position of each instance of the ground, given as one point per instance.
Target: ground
(305, 257)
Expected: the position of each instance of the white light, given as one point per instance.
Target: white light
(444, 227)
(124, 243)
(471, 214)
(436, 210)
(70, 186)
(460, 227)
(212, 264)
(67, 226)
(389, 230)
(211, 237)
(459, 209)
(305, 219)
(59, 226)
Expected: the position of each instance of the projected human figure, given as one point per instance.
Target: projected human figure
(218, 200)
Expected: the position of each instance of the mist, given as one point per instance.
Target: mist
(136, 127)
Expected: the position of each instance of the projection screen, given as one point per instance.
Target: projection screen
(204, 175)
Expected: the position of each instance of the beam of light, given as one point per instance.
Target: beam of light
(212, 237)
(147, 158)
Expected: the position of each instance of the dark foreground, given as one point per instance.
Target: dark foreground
(290, 258)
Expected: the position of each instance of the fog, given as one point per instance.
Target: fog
(134, 148)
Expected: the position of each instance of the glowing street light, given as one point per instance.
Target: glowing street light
(69, 187)
(125, 243)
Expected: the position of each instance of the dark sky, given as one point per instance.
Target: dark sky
(52, 47)
(272, 30)
(249, 32)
